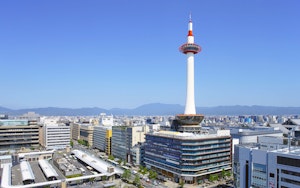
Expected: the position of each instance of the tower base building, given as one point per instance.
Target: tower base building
(187, 157)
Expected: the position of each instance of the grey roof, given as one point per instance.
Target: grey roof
(281, 127)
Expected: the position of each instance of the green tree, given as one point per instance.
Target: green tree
(104, 178)
(152, 174)
(213, 177)
(126, 174)
(143, 170)
(228, 173)
(137, 180)
(223, 173)
(71, 143)
(181, 184)
(111, 157)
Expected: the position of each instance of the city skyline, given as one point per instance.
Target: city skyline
(125, 53)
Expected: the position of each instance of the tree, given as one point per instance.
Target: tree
(104, 178)
(71, 143)
(223, 173)
(228, 173)
(126, 174)
(181, 184)
(111, 157)
(137, 180)
(213, 177)
(143, 170)
(92, 179)
(152, 174)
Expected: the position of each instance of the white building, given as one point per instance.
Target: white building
(106, 120)
(251, 135)
(56, 136)
(257, 167)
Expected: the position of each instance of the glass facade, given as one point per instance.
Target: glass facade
(259, 175)
(102, 139)
(189, 159)
(119, 142)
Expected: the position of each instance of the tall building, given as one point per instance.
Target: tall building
(188, 157)
(56, 136)
(102, 138)
(124, 138)
(257, 167)
(16, 134)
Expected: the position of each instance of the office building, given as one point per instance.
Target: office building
(17, 134)
(75, 131)
(102, 138)
(251, 135)
(138, 153)
(86, 133)
(187, 157)
(124, 138)
(56, 136)
(257, 167)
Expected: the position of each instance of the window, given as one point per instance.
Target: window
(288, 161)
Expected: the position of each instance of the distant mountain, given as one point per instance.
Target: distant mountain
(2, 109)
(158, 109)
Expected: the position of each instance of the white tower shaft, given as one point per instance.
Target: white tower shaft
(190, 93)
(190, 49)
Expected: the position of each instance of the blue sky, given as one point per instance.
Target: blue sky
(125, 53)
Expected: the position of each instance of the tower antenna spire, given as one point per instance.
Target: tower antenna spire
(190, 16)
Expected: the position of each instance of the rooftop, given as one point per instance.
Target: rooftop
(292, 151)
(26, 171)
(190, 136)
(96, 163)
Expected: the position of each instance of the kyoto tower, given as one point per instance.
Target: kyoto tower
(189, 121)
